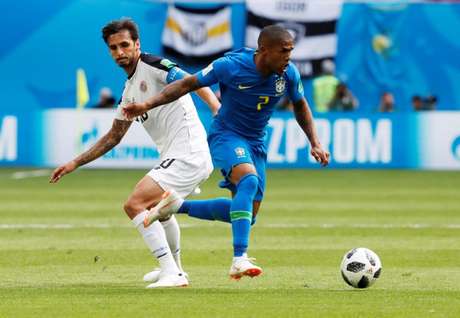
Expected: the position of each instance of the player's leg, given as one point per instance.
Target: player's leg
(244, 176)
(147, 193)
(181, 177)
(260, 160)
(211, 210)
(240, 212)
(255, 211)
(234, 156)
(244, 266)
(238, 165)
(172, 231)
(215, 209)
(176, 175)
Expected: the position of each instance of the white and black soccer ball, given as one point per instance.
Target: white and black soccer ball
(360, 267)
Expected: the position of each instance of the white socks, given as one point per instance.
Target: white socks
(172, 231)
(238, 258)
(155, 238)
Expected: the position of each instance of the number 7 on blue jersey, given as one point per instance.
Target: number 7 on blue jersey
(264, 101)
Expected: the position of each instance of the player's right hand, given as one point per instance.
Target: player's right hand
(322, 156)
(133, 110)
(61, 171)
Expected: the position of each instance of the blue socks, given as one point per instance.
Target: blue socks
(238, 211)
(216, 209)
(241, 213)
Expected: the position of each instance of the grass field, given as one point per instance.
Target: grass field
(68, 250)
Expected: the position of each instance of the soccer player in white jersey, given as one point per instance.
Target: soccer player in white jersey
(180, 137)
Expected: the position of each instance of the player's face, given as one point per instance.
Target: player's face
(279, 55)
(124, 50)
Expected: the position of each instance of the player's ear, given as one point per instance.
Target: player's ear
(261, 49)
(137, 44)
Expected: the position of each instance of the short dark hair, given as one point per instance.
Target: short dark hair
(416, 98)
(273, 33)
(116, 26)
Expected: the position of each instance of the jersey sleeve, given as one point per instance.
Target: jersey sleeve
(217, 71)
(164, 65)
(295, 89)
(174, 74)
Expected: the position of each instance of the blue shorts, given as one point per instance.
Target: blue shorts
(229, 150)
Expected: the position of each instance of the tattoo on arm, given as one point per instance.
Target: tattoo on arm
(106, 143)
(304, 118)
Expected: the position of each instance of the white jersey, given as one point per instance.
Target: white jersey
(175, 128)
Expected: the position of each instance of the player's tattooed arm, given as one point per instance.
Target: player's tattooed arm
(304, 118)
(106, 143)
(170, 93)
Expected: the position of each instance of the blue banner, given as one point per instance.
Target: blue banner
(21, 139)
(404, 49)
(429, 140)
(407, 49)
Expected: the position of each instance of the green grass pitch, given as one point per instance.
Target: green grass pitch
(68, 250)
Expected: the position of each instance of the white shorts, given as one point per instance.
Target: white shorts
(183, 175)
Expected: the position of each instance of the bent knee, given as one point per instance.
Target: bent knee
(249, 181)
(248, 185)
(132, 208)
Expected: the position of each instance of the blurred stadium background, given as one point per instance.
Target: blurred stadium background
(406, 50)
(392, 185)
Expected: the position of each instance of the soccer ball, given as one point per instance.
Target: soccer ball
(360, 267)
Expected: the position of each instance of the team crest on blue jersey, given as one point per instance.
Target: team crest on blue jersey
(280, 85)
(240, 153)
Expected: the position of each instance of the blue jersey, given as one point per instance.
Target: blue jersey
(248, 98)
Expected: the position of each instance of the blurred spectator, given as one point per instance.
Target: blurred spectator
(324, 86)
(106, 99)
(387, 103)
(431, 102)
(420, 104)
(417, 103)
(343, 99)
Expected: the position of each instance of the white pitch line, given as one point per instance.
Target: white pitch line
(272, 226)
(364, 226)
(57, 226)
(30, 174)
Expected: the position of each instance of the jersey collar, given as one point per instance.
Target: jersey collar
(135, 69)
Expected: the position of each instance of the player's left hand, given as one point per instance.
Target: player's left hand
(321, 155)
(133, 110)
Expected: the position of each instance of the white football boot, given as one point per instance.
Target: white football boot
(154, 276)
(169, 280)
(169, 204)
(244, 266)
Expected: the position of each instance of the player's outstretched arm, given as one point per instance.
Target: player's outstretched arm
(205, 93)
(208, 96)
(170, 93)
(304, 118)
(106, 143)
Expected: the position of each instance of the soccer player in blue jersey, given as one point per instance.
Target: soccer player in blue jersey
(251, 83)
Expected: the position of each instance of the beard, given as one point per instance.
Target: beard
(123, 62)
